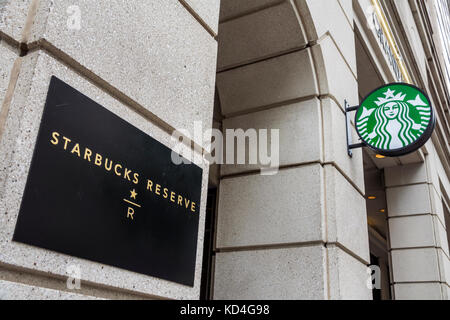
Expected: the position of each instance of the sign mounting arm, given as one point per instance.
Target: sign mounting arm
(348, 126)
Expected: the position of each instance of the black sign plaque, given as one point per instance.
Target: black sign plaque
(103, 190)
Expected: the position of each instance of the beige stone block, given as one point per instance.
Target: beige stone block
(347, 6)
(208, 11)
(335, 144)
(408, 200)
(334, 75)
(440, 234)
(385, 162)
(362, 7)
(411, 231)
(444, 266)
(439, 176)
(300, 134)
(437, 206)
(418, 291)
(230, 9)
(16, 149)
(291, 273)
(262, 210)
(412, 158)
(60, 284)
(259, 35)
(19, 291)
(346, 214)
(412, 35)
(329, 16)
(13, 16)
(348, 277)
(432, 166)
(8, 56)
(445, 291)
(402, 175)
(412, 265)
(154, 52)
(272, 81)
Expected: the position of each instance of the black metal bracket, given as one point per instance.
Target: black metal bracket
(348, 127)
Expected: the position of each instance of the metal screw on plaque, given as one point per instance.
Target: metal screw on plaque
(74, 20)
(374, 279)
(74, 279)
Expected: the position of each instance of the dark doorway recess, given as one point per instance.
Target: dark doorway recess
(208, 247)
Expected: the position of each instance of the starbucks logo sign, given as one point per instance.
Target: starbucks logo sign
(395, 119)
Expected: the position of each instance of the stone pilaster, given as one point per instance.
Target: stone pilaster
(417, 231)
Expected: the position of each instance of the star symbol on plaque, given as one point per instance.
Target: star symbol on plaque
(389, 93)
(133, 194)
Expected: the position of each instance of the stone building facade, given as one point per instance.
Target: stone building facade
(308, 232)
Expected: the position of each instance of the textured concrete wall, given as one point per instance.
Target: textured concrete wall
(150, 62)
(302, 233)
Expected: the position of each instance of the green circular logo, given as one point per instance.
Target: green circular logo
(395, 119)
